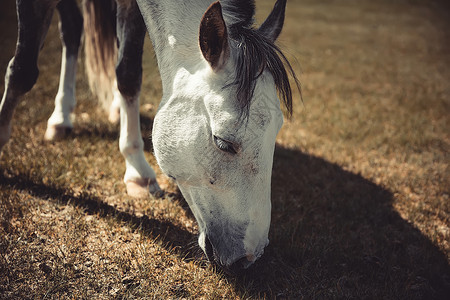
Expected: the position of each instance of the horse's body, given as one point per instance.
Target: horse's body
(216, 125)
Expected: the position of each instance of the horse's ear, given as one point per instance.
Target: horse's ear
(213, 37)
(271, 28)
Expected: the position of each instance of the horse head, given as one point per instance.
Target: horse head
(215, 134)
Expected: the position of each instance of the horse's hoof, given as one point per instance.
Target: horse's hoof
(54, 133)
(155, 190)
(140, 188)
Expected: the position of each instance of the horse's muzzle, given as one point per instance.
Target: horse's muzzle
(234, 268)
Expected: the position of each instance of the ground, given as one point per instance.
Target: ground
(360, 185)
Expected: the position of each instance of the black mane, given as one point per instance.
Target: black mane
(255, 53)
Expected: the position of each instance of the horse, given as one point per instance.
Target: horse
(223, 78)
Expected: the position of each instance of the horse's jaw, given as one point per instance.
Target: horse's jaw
(228, 233)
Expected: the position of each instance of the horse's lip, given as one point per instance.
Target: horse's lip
(237, 267)
(248, 261)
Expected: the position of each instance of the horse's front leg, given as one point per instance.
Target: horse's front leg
(34, 18)
(139, 176)
(70, 27)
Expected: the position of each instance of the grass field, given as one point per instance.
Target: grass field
(360, 185)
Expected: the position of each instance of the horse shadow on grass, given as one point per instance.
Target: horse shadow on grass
(334, 234)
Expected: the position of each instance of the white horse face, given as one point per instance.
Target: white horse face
(221, 163)
(220, 159)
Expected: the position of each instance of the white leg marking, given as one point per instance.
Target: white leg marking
(139, 176)
(60, 123)
(5, 129)
(114, 110)
(9, 102)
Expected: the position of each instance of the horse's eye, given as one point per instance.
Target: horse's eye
(225, 146)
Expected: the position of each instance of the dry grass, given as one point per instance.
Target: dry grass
(360, 182)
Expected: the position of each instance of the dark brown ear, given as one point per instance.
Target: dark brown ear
(213, 36)
(271, 28)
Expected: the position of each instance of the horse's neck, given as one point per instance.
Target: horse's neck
(173, 27)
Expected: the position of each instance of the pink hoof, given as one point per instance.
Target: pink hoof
(54, 133)
(140, 188)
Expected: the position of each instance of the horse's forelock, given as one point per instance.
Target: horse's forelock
(253, 54)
